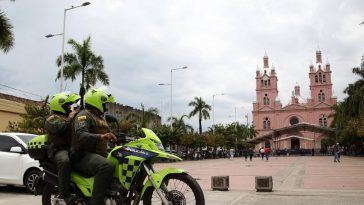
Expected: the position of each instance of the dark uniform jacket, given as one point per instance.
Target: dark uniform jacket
(58, 127)
(88, 129)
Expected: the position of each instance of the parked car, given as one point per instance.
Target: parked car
(17, 168)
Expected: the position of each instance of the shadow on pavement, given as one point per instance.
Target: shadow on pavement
(11, 189)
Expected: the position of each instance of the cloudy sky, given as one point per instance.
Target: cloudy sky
(221, 41)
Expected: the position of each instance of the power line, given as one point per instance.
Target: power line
(23, 91)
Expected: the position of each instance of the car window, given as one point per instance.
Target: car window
(26, 138)
(6, 143)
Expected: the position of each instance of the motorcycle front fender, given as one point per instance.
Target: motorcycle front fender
(159, 176)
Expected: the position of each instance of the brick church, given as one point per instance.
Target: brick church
(302, 123)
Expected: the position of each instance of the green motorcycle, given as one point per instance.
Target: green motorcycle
(135, 181)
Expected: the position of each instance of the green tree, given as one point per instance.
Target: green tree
(252, 133)
(166, 135)
(355, 92)
(33, 119)
(6, 33)
(85, 62)
(201, 109)
(179, 124)
(349, 113)
(144, 117)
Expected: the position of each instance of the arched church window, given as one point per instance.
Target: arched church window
(321, 96)
(323, 120)
(324, 78)
(266, 100)
(320, 78)
(268, 82)
(294, 120)
(266, 123)
(316, 78)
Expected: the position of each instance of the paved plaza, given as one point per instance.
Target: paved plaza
(296, 181)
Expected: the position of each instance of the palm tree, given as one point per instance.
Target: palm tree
(6, 34)
(144, 117)
(202, 109)
(252, 133)
(179, 124)
(83, 61)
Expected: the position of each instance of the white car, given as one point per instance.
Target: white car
(16, 167)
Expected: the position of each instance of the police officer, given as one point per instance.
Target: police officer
(59, 129)
(89, 143)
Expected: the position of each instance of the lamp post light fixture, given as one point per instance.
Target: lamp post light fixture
(171, 84)
(63, 36)
(213, 110)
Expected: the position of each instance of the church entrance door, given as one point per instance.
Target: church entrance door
(295, 143)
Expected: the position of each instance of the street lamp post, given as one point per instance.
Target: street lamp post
(63, 36)
(171, 84)
(247, 119)
(236, 109)
(213, 110)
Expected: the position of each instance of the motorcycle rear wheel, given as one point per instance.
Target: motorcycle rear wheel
(181, 189)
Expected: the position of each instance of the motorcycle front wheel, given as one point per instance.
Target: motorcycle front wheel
(182, 189)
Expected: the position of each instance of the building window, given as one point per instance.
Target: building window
(266, 123)
(316, 78)
(294, 120)
(266, 100)
(320, 78)
(324, 78)
(321, 96)
(268, 82)
(323, 120)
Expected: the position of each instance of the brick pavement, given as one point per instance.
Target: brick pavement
(296, 180)
(289, 173)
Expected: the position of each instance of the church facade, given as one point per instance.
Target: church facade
(278, 125)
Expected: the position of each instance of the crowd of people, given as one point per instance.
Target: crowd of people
(264, 153)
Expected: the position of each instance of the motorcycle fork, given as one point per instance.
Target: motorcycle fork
(158, 190)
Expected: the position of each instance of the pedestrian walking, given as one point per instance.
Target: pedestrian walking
(336, 152)
(251, 152)
(245, 153)
(261, 151)
(231, 152)
(267, 152)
